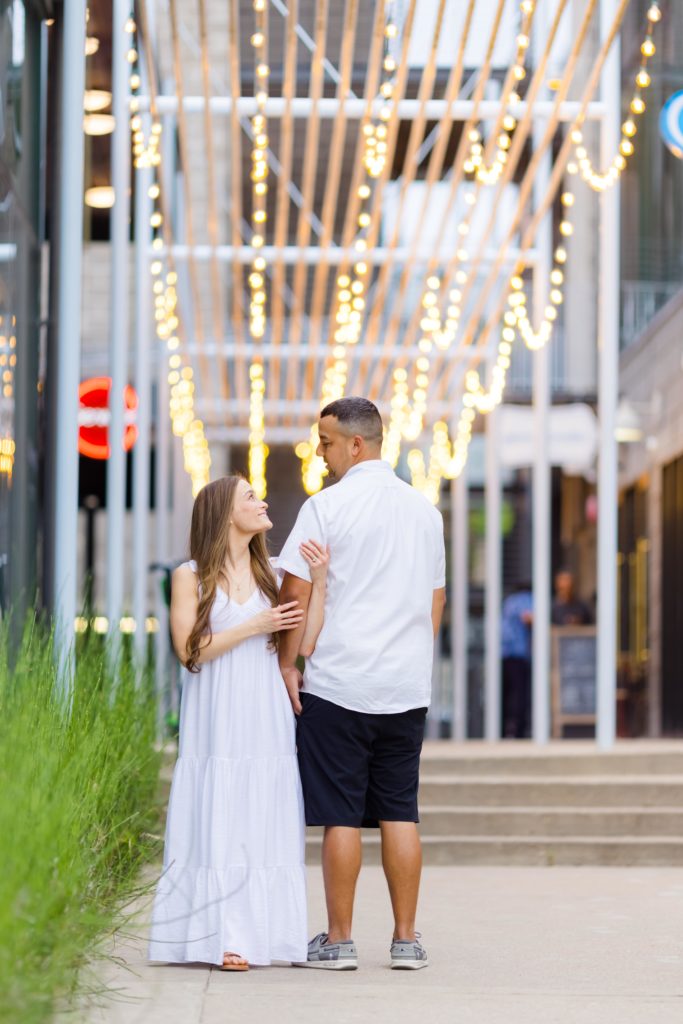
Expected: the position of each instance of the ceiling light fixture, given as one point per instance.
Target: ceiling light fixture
(100, 197)
(95, 100)
(99, 124)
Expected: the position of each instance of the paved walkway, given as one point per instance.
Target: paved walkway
(507, 945)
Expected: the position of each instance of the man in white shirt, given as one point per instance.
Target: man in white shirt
(363, 700)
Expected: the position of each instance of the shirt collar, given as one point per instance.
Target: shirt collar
(367, 466)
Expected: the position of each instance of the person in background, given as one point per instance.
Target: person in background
(568, 609)
(516, 653)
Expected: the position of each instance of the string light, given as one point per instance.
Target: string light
(196, 456)
(517, 315)
(599, 181)
(146, 152)
(474, 163)
(439, 331)
(446, 459)
(351, 287)
(258, 451)
(429, 483)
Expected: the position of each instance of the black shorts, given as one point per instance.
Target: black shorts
(358, 769)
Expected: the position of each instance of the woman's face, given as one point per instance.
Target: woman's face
(249, 513)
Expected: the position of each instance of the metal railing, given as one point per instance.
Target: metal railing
(640, 301)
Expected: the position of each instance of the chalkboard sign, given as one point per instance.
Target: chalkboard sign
(573, 676)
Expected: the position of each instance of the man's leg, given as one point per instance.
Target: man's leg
(341, 866)
(402, 863)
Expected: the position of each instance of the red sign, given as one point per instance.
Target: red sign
(94, 417)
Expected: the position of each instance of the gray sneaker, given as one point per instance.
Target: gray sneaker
(407, 955)
(331, 956)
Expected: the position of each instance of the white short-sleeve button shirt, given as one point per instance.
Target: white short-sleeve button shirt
(387, 557)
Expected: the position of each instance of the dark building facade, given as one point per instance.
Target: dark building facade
(23, 76)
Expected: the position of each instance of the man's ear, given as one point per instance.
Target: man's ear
(357, 444)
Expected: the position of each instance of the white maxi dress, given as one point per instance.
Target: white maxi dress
(233, 878)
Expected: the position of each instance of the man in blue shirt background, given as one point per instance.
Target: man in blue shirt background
(516, 653)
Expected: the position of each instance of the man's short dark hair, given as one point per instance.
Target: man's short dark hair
(356, 416)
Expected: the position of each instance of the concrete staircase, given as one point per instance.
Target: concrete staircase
(513, 804)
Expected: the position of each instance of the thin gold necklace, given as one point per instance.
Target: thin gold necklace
(238, 582)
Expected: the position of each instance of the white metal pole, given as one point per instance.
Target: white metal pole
(118, 338)
(162, 467)
(492, 600)
(541, 512)
(312, 255)
(70, 255)
(141, 453)
(163, 661)
(459, 601)
(355, 109)
(608, 391)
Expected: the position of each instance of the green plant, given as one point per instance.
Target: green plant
(78, 781)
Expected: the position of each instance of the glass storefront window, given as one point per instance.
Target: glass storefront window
(12, 60)
(652, 185)
(20, 167)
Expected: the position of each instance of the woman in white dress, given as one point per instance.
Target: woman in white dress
(233, 888)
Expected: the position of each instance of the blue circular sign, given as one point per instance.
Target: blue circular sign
(671, 124)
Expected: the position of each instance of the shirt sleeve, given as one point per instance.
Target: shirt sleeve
(308, 526)
(279, 573)
(440, 561)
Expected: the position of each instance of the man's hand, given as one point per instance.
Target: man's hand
(293, 681)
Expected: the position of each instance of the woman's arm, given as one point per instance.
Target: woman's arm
(184, 604)
(318, 559)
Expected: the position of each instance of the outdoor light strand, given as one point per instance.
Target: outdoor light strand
(475, 163)
(258, 452)
(146, 153)
(185, 425)
(351, 288)
(439, 331)
(599, 181)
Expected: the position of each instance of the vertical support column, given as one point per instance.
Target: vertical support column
(654, 600)
(141, 454)
(182, 504)
(67, 370)
(162, 485)
(608, 390)
(459, 602)
(164, 663)
(540, 686)
(493, 559)
(118, 340)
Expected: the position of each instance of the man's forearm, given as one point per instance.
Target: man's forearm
(438, 605)
(290, 642)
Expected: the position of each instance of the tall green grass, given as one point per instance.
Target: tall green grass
(77, 800)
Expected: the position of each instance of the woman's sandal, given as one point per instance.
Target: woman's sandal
(234, 966)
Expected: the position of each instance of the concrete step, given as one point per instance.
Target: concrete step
(538, 851)
(573, 822)
(569, 791)
(505, 759)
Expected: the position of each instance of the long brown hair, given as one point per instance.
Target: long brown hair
(210, 549)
